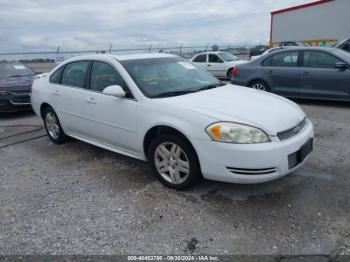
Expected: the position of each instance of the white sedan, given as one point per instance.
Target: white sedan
(220, 64)
(161, 108)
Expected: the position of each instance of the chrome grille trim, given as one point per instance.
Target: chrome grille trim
(289, 133)
(249, 171)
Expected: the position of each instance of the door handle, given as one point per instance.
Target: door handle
(306, 73)
(209, 65)
(90, 100)
(269, 72)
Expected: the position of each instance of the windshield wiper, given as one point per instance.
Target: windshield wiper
(173, 93)
(211, 86)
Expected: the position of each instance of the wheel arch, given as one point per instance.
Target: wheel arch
(161, 129)
(259, 79)
(43, 107)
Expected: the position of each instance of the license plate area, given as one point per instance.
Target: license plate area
(299, 156)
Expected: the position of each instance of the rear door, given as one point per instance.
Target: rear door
(216, 65)
(320, 77)
(201, 61)
(282, 70)
(67, 88)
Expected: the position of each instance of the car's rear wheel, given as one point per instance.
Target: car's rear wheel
(259, 85)
(53, 126)
(174, 162)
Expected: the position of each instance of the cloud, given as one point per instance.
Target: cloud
(73, 25)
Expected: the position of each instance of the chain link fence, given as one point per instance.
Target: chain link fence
(43, 61)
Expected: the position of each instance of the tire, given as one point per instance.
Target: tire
(177, 159)
(260, 85)
(53, 126)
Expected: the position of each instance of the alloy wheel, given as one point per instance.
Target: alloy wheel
(259, 86)
(52, 125)
(171, 162)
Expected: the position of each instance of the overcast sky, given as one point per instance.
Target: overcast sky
(89, 24)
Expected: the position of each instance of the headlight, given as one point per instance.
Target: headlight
(236, 133)
(4, 93)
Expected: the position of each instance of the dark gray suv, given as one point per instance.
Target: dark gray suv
(305, 72)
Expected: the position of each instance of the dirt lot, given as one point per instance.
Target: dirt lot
(78, 199)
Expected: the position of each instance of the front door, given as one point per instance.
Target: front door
(111, 120)
(320, 77)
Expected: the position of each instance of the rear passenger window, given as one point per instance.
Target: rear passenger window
(319, 59)
(200, 59)
(74, 74)
(55, 78)
(103, 75)
(285, 59)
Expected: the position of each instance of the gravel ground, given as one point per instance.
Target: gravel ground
(78, 199)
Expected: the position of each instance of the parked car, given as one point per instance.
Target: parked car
(293, 43)
(267, 52)
(162, 108)
(344, 44)
(257, 50)
(15, 82)
(309, 72)
(220, 64)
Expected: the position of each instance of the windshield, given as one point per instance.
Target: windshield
(228, 57)
(341, 43)
(14, 69)
(168, 76)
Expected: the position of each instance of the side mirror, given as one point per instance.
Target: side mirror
(114, 90)
(341, 65)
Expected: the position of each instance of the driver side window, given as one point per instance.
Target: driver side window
(103, 75)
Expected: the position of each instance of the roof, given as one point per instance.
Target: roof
(121, 57)
(212, 52)
(301, 6)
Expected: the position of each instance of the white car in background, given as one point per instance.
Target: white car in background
(185, 122)
(220, 64)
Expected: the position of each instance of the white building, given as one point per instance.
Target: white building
(315, 22)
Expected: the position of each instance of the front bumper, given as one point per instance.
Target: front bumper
(15, 101)
(252, 163)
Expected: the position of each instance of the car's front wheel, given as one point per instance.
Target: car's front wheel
(259, 85)
(53, 126)
(174, 162)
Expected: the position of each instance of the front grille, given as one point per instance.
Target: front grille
(289, 133)
(20, 100)
(17, 93)
(249, 171)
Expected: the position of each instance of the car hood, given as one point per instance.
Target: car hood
(16, 83)
(266, 111)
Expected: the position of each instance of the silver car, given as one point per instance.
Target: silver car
(304, 72)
